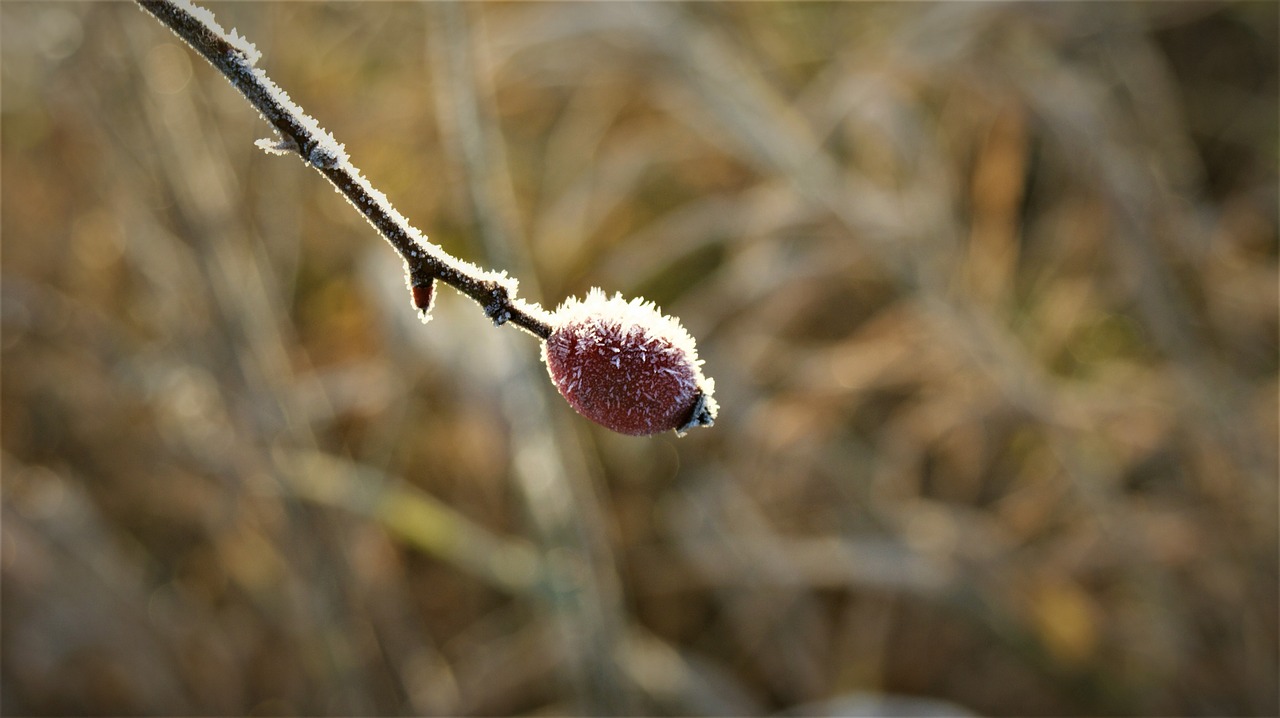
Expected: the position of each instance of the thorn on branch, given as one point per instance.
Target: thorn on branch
(281, 145)
(424, 298)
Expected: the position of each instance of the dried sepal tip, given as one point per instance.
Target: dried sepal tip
(627, 366)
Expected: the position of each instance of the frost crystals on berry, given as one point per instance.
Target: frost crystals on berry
(627, 366)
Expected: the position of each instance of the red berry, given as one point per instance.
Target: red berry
(627, 367)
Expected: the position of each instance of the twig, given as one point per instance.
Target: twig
(623, 365)
(299, 133)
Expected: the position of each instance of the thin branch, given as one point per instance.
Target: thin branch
(639, 374)
(299, 133)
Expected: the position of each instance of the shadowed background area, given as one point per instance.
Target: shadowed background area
(989, 293)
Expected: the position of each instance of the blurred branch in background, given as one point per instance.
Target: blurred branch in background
(581, 591)
(989, 291)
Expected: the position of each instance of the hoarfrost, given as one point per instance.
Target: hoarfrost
(618, 318)
(278, 146)
(241, 43)
(248, 50)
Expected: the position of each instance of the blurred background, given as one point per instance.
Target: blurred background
(989, 293)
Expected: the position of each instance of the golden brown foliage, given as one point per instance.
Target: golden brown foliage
(989, 293)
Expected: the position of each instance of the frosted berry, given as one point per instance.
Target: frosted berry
(627, 366)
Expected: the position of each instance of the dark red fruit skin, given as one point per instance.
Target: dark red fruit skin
(628, 381)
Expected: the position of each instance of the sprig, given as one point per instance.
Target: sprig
(425, 263)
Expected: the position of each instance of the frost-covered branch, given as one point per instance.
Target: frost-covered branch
(299, 133)
(622, 364)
